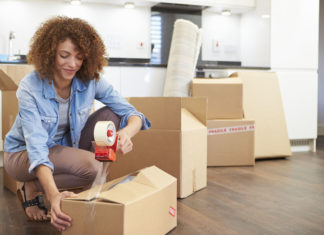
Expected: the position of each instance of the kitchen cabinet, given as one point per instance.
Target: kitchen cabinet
(135, 81)
(299, 97)
(142, 81)
(294, 56)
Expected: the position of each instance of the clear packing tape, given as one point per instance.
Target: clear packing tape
(183, 56)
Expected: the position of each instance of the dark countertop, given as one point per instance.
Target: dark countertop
(124, 62)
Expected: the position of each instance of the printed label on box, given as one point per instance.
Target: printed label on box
(172, 211)
(232, 129)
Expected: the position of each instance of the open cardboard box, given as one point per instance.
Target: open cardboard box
(10, 76)
(141, 203)
(230, 142)
(176, 142)
(224, 97)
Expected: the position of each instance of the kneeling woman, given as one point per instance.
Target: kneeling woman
(49, 146)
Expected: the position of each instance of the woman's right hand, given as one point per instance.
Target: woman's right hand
(60, 220)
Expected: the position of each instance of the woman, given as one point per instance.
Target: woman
(48, 147)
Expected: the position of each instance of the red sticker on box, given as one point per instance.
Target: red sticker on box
(172, 211)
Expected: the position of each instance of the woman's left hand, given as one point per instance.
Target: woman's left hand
(125, 144)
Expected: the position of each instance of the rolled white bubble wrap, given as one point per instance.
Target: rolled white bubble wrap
(183, 56)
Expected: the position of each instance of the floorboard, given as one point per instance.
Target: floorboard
(279, 196)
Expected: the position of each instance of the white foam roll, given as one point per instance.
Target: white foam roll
(184, 51)
(100, 133)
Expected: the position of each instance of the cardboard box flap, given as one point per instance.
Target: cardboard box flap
(163, 112)
(11, 75)
(127, 193)
(91, 193)
(6, 84)
(189, 121)
(234, 80)
(154, 177)
(197, 106)
(146, 182)
(129, 188)
(234, 75)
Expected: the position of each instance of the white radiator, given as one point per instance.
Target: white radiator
(303, 145)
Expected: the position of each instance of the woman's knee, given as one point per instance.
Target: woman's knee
(89, 170)
(103, 114)
(16, 165)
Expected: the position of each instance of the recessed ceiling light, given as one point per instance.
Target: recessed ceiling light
(265, 16)
(129, 5)
(75, 2)
(226, 12)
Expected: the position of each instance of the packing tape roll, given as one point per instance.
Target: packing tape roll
(100, 133)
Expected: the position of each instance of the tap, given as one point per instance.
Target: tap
(12, 36)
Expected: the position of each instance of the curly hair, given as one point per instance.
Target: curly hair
(56, 30)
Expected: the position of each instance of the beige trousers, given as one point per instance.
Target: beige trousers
(72, 167)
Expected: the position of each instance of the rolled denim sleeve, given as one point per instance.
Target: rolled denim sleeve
(35, 135)
(110, 97)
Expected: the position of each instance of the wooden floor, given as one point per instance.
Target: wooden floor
(282, 196)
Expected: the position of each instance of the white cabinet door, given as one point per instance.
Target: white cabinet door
(299, 96)
(142, 81)
(112, 75)
(294, 34)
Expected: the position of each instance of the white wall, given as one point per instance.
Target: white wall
(255, 36)
(241, 37)
(121, 29)
(294, 34)
(321, 72)
(224, 30)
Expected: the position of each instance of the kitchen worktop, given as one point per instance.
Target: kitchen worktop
(140, 64)
(129, 62)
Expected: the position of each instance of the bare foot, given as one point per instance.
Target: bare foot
(33, 212)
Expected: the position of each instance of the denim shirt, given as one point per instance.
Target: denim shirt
(37, 120)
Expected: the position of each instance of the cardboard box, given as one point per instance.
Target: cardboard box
(230, 142)
(147, 204)
(10, 183)
(224, 97)
(262, 103)
(176, 142)
(10, 76)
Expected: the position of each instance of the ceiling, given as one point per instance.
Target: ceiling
(236, 6)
